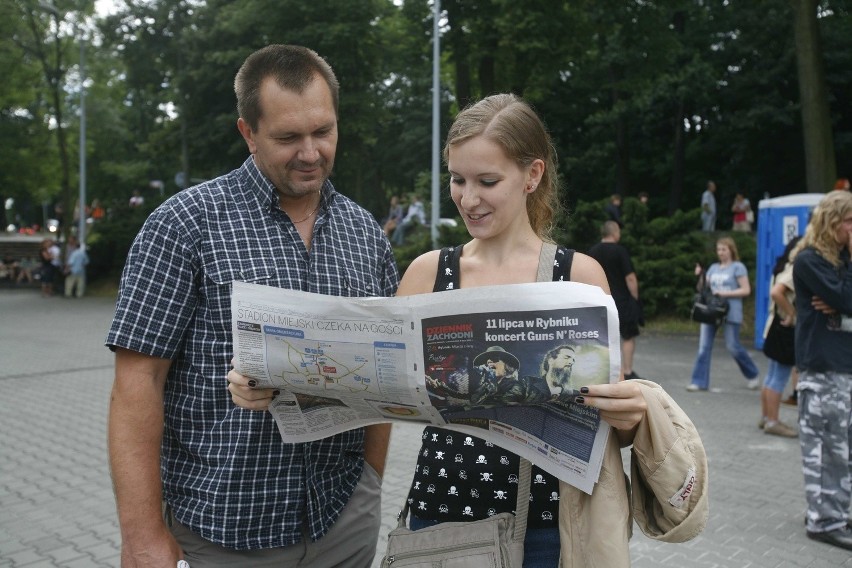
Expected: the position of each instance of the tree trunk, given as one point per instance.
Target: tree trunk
(820, 165)
(678, 158)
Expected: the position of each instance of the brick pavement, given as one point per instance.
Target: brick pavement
(56, 507)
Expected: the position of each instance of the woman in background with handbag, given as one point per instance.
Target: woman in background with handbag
(727, 278)
(779, 343)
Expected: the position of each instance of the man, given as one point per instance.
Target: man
(624, 287)
(75, 269)
(613, 209)
(708, 208)
(232, 493)
(822, 279)
(498, 383)
(416, 215)
(556, 368)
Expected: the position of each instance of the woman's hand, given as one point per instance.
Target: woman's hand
(245, 395)
(819, 305)
(622, 405)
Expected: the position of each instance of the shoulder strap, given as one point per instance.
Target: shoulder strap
(546, 263)
(447, 277)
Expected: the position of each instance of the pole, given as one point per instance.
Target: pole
(81, 231)
(436, 124)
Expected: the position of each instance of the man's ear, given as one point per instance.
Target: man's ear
(248, 134)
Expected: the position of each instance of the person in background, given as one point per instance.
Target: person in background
(822, 278)
(613, 209)
(624, 285)
(727, 278)
(741, 209)
(395, 216)
(782, 296)
(136, 200)
(48, 255)
(842, 184)
(195, 477)
(75, 269)
(708, 208)
(416, 215)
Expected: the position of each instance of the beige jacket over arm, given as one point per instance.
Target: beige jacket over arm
(666, 494)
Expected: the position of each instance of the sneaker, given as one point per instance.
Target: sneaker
(761, 423)
(632, 376)
(792, 400)
(753, 384)
(841, 537)
(780, 429)
(693, 387)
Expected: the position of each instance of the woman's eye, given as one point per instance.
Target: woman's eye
(456, 181)
(489, 182)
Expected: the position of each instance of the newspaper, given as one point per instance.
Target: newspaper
(503, 363)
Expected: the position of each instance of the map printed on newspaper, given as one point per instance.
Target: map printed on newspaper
(500, 362)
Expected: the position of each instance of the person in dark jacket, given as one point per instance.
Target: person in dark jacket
(822, 278)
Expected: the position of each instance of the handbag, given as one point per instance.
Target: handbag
(708, 307)
(780, 344)
(495, 542)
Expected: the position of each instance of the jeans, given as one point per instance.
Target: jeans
(541, 546)
(701, 371)
(777, 375)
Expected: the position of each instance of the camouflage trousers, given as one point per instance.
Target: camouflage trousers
(825, 436)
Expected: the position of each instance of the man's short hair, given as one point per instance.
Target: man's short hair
(609, 228)
(292, 66)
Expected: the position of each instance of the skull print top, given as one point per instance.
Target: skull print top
(459, 477)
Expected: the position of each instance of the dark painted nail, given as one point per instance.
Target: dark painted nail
(275, 393)
(252, 383)
(579, 399)
(584, 390)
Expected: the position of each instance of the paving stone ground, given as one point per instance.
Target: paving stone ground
(57, 510)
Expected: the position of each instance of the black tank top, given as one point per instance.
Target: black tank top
(459, 477)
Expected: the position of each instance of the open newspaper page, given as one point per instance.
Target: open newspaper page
(500, 362)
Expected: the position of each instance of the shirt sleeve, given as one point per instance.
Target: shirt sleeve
(158, 296)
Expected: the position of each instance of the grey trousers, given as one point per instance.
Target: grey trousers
(351, 541)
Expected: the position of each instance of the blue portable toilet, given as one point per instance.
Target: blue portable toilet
(779, 220)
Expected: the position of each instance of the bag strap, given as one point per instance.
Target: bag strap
(545, 263)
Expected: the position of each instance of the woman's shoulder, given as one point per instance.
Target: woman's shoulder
(419, 277)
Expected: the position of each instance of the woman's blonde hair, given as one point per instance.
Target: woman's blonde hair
(732, 246)
(821, 233)
(512, 124)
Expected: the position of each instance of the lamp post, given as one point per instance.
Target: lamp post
(81, 227)
(436, 123)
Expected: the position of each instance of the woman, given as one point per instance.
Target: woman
(822, 274)
(741, 209)
(778, 374)
(48, 256)
(727, 278)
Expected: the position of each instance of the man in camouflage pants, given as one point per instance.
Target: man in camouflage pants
(822, 277)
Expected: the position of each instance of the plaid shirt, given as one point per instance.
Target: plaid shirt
(226, 473)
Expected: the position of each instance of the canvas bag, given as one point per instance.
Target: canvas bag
(495, 542)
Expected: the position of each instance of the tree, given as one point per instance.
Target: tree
(820, 163)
